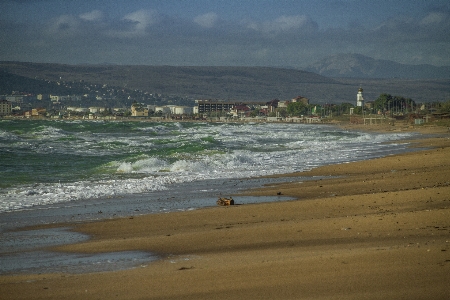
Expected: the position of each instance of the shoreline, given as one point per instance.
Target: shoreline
(367, 232)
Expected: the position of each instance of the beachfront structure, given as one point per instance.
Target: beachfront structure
(360, 98)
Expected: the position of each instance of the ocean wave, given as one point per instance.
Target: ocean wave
(107, 160)
(147, 165)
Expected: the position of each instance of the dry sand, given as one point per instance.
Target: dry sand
(380, 230)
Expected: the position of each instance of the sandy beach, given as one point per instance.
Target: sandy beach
(376, 229)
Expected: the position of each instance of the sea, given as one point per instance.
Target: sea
(59, 171)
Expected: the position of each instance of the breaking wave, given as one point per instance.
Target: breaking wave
(47, 162)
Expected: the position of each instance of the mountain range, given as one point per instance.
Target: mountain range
(360, 66)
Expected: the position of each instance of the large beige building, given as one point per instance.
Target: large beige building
(137, 110)
(5, 108)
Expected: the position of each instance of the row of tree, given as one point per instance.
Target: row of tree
(387, 102)
(299, 109)
(384, 103)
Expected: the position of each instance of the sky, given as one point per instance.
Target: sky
(278, 33)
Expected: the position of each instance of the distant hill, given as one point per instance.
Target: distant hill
(11, 82)
(227, 83)
(360, 66)
(243, 83)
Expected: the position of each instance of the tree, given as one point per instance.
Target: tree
(254, 113)
(382, 102)
(344, 108)
(357, 110)
(445, 107)
(387, 102)
(296, 108)
(282, 112)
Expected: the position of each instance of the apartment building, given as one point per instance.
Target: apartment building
(209, 106)
(5, 108)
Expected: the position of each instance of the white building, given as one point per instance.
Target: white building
(171, 109)
(162, 109)
(58, 98)
(78, 109)
(94, 109)
(82, 109)
(360, 98)
(180, 110)
(14, 98)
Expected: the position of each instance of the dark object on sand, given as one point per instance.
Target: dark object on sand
(225, 201)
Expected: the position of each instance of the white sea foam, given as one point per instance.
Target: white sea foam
(49, 194)
(5, 135)
(147, 165)
(243, 151)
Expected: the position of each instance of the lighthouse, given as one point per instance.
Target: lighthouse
(360, 98)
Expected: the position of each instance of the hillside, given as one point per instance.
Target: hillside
(360, 66)
(11, 82)
(243, 83)
(230, 83)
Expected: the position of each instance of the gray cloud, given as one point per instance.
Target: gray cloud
(147, 37)
(95, 15)
(207, 20)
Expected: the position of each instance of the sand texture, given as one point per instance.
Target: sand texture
(378, 229)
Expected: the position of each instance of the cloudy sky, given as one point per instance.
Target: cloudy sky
(278, 33)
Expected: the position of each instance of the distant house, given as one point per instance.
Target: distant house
(5, 108)
(283, 104)
(55, 98)
(42, 97)
(138, 110)
(15, 98)
(58, 98)
(240, 110)
(38, 112)
(301, 99)
(272, 105)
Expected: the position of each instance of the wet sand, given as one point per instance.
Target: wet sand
(377, 229)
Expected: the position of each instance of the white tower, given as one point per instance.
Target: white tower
(360, 98)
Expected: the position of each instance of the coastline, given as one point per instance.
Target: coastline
(375, 229)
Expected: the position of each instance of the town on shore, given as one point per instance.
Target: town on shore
(385, 109)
